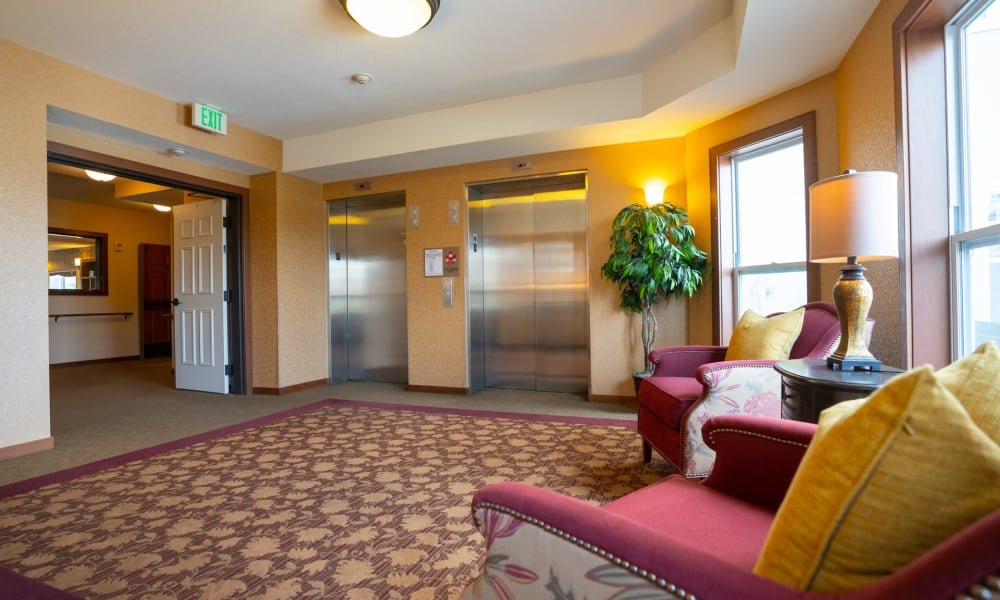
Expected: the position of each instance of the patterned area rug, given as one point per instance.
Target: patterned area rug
(352, 500)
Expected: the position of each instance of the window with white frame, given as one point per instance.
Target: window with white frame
(769, 273)
(974, 160)
(759, 186)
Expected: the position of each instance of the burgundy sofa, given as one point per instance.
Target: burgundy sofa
(690, 384)
(680, 538)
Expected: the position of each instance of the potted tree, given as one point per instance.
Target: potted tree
(653, 256)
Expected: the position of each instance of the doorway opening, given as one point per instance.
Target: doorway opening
(187, 188)
(367, 288)
(528, 303)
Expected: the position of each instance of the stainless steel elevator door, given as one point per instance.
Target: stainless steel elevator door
(367, 260)
(528, 284)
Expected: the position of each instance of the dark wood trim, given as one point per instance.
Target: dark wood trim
(238, 211)
(613, 399)
(920, 74)
(720, 166)
(433, 389)
(104, 284)
(269, 391)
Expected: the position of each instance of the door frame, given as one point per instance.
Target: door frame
(237, 238)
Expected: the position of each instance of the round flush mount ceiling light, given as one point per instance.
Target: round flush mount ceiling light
(98, 176)
(391, 18)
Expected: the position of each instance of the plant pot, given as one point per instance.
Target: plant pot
(637, 378)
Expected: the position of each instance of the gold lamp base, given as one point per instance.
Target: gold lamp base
(852, 296)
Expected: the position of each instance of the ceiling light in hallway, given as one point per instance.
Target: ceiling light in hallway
(98, 176)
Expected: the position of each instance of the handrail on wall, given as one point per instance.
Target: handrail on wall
(96, 314)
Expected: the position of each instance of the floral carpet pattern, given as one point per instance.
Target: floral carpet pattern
(349, 500)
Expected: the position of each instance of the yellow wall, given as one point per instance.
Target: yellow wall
(287, 220)
(438, 336)
(33, 82)
(818, 95)
(866, 92)
(77, 339)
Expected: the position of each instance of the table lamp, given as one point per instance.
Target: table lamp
(853, 217)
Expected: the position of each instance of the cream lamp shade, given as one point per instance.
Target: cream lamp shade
(391, 18)
(853, 214)
(853, 217)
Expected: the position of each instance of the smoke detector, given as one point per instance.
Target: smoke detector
(361, 78)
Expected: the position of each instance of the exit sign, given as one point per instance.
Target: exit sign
(209, 118)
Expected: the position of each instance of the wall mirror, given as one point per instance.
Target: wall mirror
(78, 262)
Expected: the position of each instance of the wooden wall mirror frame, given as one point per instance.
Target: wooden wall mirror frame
(78, 262)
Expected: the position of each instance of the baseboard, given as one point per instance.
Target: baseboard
(94, 361)
(434, 389)
(268, 391)
(27, 448)
(611, 399)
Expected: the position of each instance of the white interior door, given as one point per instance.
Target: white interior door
(200, 329)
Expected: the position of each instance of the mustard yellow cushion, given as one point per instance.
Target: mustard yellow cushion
(761, 338)
(975, 381)
(885, 479)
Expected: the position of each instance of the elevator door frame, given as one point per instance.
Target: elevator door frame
(479, 321)
(345, 329)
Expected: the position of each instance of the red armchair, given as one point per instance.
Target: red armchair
(691, 384)
(681, 539)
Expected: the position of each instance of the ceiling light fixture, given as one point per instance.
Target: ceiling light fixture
(391, 18)
(161, 208)
(98, 176)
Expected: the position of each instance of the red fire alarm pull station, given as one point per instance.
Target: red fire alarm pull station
(451, 262)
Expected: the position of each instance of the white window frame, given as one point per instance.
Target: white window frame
(962, 239)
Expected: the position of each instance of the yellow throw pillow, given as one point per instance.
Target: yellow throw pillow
(885, 479)
(762, 338)
(975, 381)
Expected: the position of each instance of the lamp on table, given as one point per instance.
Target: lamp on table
(853, 217)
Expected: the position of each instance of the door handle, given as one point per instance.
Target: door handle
(175, 301)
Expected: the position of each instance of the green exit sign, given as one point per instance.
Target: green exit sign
(209, 118)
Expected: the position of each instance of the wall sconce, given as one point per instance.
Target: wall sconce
(852, 217)
(78, 261)
(654, 192)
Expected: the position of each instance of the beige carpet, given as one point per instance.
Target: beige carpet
(353, 500)
(104, 409)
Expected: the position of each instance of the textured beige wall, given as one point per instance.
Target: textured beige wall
(819, 95)
(437, 336)
(303, 338)
(867, 99)
(263, 267)
(31, 82)
(24, 342)
(91, 339)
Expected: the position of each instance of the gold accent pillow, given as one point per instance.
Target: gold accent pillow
(763, 338)
(975, 381)
(884, 480)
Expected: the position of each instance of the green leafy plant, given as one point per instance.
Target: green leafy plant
(653, 256)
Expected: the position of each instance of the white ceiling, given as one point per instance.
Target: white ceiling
(486, 79)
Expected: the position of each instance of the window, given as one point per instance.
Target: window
(974, 45)
(759, 203)
(770, 212)
(78, 262)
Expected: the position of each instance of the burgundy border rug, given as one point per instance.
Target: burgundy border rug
(337, 499)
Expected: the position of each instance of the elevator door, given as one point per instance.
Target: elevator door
(528, 284)
(367, 262)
